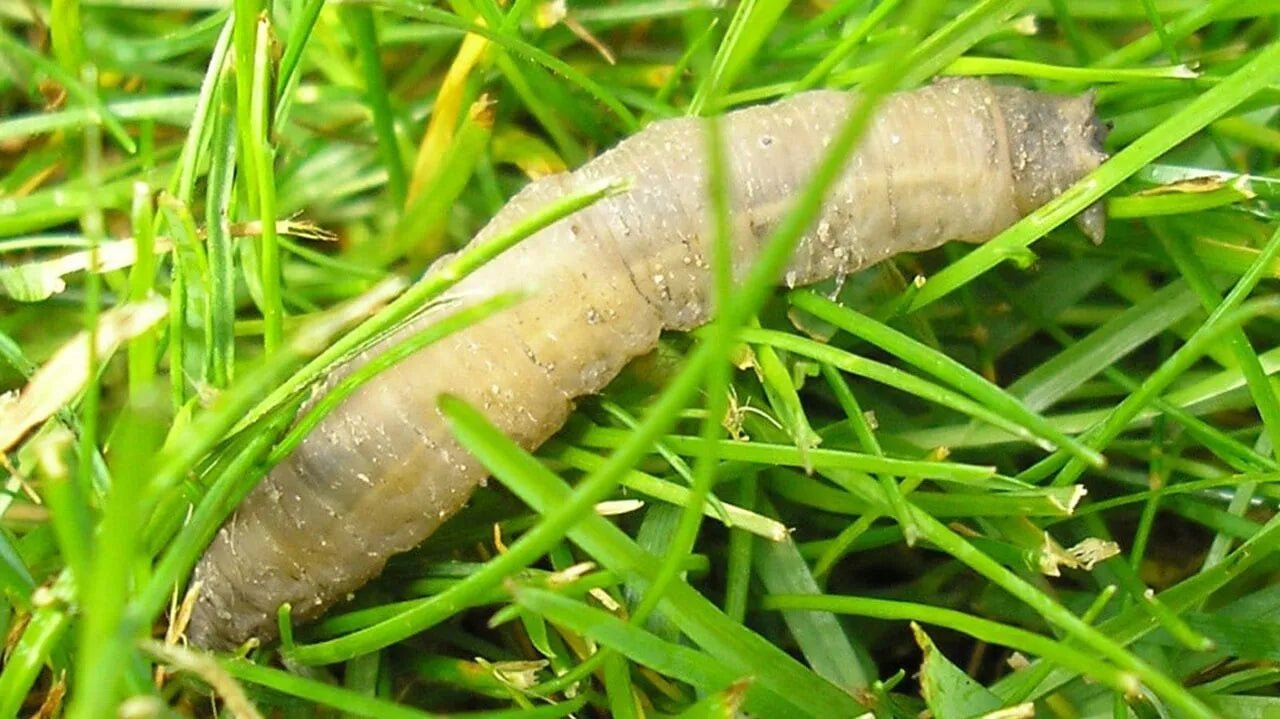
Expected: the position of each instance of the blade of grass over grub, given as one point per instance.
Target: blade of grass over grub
(717, 382)
(226, 488)
(768, 267)
(428, 288)
(184, 450)
(531, 545)
(1261, 71)
(430, 334)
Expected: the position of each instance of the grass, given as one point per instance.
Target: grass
(1044, 477)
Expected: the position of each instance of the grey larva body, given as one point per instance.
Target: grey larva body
(959, 160)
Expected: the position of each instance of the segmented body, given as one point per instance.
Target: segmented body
(958, 160)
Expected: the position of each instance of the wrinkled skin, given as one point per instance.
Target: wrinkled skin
(958, 160)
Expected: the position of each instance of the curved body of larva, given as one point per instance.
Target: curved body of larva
(958, 160)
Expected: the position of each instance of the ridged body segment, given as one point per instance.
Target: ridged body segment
(382, 472)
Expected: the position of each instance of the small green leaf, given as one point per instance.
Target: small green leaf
(948, 691)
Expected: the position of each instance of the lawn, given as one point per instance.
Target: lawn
(1029, 477)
